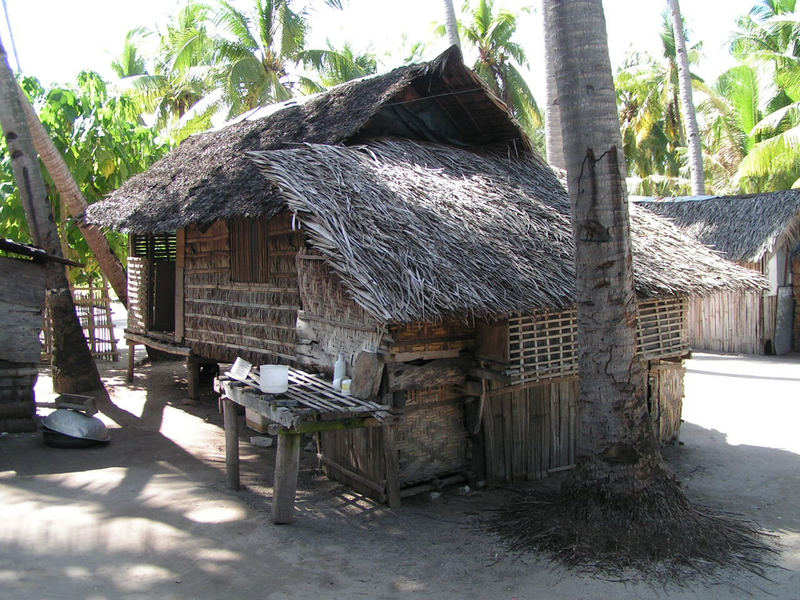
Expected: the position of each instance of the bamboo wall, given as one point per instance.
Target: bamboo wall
(330, 322)
(665, 398)
(138, 293)
(225, 319)
(530, 432)
(545, 344)
(431, 441)
(727, 322)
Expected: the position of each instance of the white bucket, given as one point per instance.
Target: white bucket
(274, 378)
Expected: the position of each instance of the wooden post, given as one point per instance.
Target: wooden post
(193, 365)
(287, 464)
(231, 421)
(131, 356)
(390, 457)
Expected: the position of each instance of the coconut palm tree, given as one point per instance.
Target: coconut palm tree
(768, 40)
(451, 24)
(74, 369)
(175, 87)
(687, 103)
(499, 59)
(613, 416)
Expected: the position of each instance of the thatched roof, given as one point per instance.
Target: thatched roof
(209, 177)
(743, 228)
(419, 231)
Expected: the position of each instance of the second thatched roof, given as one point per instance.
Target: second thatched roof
(743, 228)
(420, 231)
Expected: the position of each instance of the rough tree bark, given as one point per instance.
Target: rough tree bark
(69, 191)
(687, 104)
(74, 369)
(451, 24)
(616, 447)
(552, 118)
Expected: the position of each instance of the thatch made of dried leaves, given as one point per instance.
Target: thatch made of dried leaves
(208, 177)
(422, 231)
(743, 228)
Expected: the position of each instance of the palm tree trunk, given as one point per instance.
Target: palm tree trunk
(687, 104)
(451, 24)
(68, 189)
(616, 446)
(74, 369)
(552, 120)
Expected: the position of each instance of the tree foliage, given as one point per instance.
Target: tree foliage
(103, 141)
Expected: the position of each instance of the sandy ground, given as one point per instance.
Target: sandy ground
(149, 516)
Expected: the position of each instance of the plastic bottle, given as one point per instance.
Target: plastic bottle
(339, 372)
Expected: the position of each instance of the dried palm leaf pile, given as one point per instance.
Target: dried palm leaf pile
(651, 533)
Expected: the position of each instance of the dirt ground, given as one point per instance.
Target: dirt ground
(149, 516)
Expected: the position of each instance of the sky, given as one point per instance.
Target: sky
(56, 39)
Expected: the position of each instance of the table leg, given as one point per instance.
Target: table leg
(193, 366)
(231, 442)
(131, 356)
(287, 463)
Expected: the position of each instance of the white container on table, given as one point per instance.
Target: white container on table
(274, 378)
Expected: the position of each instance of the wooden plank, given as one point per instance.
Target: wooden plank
(492, 341)
(424, 355)
(20, 327)
(287, 465)
(28, 282)
(367, 373)
(391, 457)
(401, 376)
(231, 423)
(167, 347)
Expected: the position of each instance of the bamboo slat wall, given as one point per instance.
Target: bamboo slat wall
(544, 344)
(431, 441)
(727, 322)
(138, 293)
(225, 319)
(530, 432)
(770, 312)
(330, 321)
(666, 397)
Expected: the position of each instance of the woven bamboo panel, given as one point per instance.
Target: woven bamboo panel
(224, 318)
(544, 344)
(93, 307)
(421, 338)
(138, 293)
(432, 438)
(663, 328)
(330, 316)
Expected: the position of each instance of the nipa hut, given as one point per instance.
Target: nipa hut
(760, 232)
(404, 221)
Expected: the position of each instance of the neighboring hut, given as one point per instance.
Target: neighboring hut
(22, 297)
(760, 232)
(404, 221)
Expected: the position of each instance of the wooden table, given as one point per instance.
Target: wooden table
(310, 405)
